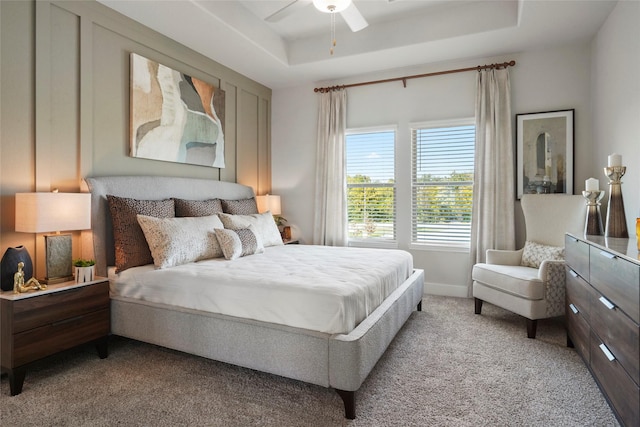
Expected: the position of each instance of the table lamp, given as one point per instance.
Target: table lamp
(52, 213)
(269, 202)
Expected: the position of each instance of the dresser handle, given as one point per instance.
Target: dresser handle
(607, 353)
(573, 273)
(607, 303)
(573, 308)
(607, 254)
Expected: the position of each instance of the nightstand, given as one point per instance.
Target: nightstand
(291, 241)
(34, 325)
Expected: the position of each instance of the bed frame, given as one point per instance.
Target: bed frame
(339, 361)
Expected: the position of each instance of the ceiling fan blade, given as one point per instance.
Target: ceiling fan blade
(354, 18)
(292, 7)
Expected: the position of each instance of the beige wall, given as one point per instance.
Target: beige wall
(64, 98)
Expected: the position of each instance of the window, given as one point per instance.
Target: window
(442, 182)
(371, 192)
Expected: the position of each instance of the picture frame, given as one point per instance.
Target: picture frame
(544, 149)
(174, 116)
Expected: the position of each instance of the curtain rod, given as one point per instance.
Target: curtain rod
(417, 76)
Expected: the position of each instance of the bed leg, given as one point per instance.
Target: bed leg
(419, 308)
(349, 399)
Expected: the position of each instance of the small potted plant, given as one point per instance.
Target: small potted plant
(85, 269)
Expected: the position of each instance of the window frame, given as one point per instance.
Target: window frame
(449, 246)
(376, 242)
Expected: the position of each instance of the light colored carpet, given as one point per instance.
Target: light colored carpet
(446, 367)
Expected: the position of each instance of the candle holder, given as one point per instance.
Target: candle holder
(616, 225)
(593, 224)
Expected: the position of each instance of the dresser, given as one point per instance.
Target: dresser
(34, 325)
(603, 316)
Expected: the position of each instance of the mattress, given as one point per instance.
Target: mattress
(320, 288)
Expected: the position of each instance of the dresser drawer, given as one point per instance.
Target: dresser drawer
(38, 311)
(618, 332)
(622, 391)
(55, 337)
(578, 331)
(578, 293)
(618, 279)
(577, 256)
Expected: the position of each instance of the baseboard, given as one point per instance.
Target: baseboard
(446, 290)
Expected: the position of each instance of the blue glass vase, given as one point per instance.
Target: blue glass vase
(9, 266)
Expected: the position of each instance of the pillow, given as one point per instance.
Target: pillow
(239, 243)
(240, 207)
(177, 241)
(131, 247)
(534, 253)
(197, 207)
(264, 225)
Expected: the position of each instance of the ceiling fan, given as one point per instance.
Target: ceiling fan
(346, 8)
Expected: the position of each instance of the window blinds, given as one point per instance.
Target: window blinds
(442, 184)
(371, 208)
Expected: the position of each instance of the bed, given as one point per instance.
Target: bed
(326, 354)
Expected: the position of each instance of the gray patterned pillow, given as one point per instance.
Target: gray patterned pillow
(239, 243)
(197, 207)
(131, 248)
(534, 253)
(177, 241)
(264, 225)
(240, 207)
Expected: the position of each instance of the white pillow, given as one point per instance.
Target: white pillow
(534, 253)
(265, 226)
(238, 243)
(176, 241)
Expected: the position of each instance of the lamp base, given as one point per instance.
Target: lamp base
(58, 258)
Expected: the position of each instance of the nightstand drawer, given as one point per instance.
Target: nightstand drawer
(619, 333)
(577, 256)
(38, 311)
(622, 392)
(55, 337)
(578, 293)
(618, 279)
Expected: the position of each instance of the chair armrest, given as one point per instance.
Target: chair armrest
(503, 257)
(549, 269)
(552, 273)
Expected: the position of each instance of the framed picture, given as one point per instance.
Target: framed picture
(544, 149)
(175, 117)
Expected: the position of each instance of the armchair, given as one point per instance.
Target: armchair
(535, 290)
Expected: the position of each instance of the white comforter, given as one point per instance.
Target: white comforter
(326, 289)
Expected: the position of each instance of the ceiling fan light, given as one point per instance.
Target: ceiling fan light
(331, 6)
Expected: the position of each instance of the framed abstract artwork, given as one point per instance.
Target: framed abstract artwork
(175, 117)
(544, 148)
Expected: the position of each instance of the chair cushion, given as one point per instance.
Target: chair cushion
(513, 279)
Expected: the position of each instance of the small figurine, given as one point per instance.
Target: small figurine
(18, 282)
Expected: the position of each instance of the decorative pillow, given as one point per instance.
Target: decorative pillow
(177, 241)
(264, 225)
(131, 247)
(240, 207)
(239, 243)
(197, 207)
(534, 253)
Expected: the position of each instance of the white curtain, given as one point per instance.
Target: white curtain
(330, 221)
(493, 224)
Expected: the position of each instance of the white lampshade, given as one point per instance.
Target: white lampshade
(52, 212)
(269, 202)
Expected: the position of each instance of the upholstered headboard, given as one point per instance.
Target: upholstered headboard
(147, 188)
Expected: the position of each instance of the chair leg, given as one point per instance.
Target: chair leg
(478, 308)
(531, 328)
